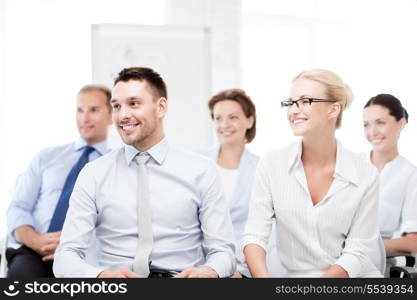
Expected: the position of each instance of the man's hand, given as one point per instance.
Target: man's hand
(198, 272)
(122, 273)
(50, 242)
(44, 244)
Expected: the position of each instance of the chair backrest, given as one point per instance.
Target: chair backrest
(405, 266)
(403, 272)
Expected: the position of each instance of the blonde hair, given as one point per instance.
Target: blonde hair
(336, 89)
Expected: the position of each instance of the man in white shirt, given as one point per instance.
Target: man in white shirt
(162, 216)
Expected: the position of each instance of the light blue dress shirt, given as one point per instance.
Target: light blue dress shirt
(38, 189)
(190, 222)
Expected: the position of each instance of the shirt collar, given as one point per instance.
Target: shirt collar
(387, 164)
(158, 152)
(101, 147)
(345, 168)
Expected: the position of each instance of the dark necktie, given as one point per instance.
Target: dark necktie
(61, 208)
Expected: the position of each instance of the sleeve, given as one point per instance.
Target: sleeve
(409, 209)
(25, 196)
(216, 225)
(78, 230)
(261, 210)
(362, 249)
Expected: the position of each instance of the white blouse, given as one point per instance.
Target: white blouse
(228, 178)
(397, 197)
(341, 229)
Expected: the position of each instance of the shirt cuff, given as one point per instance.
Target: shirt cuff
(21, 221)
(86, 271)
(250, 239)
(351, 264)
(91, 272)
(408, 227)
(223, 264)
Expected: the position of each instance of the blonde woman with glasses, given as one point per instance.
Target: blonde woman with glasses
(322, 197)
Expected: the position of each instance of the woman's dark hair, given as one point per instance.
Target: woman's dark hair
(245, 102)
(391, 103)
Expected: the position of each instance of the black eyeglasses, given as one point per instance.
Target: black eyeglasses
(304, 102)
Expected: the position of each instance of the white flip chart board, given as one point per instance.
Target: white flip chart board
(180, 54)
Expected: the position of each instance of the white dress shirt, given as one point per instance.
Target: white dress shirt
(190, 222)
(397, 197)
(341, 229)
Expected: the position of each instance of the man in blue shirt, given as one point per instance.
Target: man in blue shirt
(38, 208)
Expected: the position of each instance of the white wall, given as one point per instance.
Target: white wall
(223, 18)
(2, 55)
(2, 49)
(3, 159)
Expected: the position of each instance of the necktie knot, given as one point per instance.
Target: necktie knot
(142, 158)
(88, 149)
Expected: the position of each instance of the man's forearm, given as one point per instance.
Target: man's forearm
(335, 271)
(407, 243)
(26, 235)
(256, 260)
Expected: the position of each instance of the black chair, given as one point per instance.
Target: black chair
(407, 271)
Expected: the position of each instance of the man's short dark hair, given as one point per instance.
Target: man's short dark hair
(154, 80)
(101, 88)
